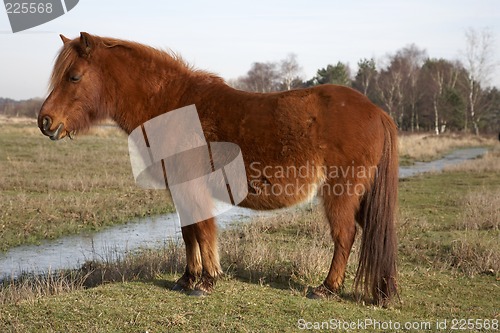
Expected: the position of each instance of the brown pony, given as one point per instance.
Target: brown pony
(329, 141)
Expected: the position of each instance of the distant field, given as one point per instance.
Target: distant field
(449, 249)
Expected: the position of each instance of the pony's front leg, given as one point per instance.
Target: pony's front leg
(193, 260)
(206, 235)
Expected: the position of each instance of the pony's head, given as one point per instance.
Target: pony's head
(74, 103)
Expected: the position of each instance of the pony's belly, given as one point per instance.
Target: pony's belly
(282, 186)
(279, 195)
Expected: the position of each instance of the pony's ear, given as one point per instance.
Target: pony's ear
(64, 39)
(87, 43)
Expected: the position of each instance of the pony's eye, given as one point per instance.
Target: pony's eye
(75, 78)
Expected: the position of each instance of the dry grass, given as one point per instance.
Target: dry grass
(16, 120)
(476, 250)
(472, 255)
(424, 147)
(461, 237)
(481, 211)
(49, 189)
(143, 265)
(464, 252)
(28, 288)
(261, 251)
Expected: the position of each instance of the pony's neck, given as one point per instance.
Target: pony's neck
(145, 83)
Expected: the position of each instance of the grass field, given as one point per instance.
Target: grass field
(449, 253)
(49, 189)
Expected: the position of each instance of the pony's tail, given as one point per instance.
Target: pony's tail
(377, 261)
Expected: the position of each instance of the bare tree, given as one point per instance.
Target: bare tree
(492, 117)
(388, 87)
(262, 77)
(398, 88)
(271, 76)
(478, 61)
(439, 77)
(290, 72)
(412, 59)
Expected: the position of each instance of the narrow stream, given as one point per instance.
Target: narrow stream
(453, 158)
(73, 251)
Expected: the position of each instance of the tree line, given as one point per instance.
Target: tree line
(419, 92)
(27, 108)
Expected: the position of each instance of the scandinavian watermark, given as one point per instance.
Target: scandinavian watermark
(308, 179)
(26, 14)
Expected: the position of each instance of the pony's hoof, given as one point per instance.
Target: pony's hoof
(313, 295)
(322, 292)
(185, 283)
(177, 287)
(198, 293)
(205, 286)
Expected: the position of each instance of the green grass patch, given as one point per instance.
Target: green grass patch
(239, 306)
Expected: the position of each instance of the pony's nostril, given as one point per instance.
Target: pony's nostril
(46, 122)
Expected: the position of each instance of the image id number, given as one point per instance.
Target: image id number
(28, 8)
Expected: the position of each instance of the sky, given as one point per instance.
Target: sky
(226, 37)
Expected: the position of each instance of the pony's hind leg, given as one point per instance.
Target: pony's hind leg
(206, 236)
(193, 259)
(340, 211)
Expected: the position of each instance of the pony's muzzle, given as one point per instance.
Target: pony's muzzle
(47, 124)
